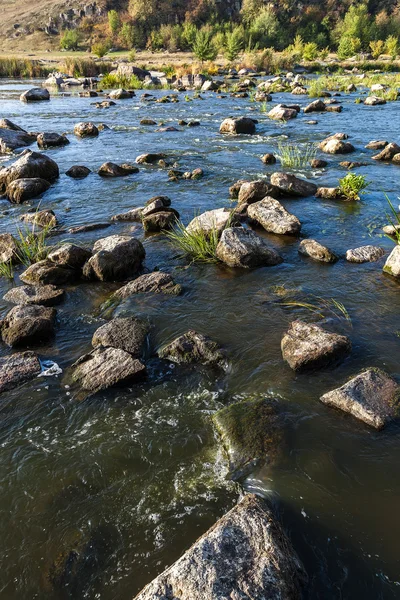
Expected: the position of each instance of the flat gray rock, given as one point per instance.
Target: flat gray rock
(150, 283)
(273, 217)
(240, 247)
(245, 555)
(365, 254)
(317, 251)
(306, 346)
(126, 333)
(17, 369)
(45, 295)
(193, 347)
(371, 397)
(292, 185)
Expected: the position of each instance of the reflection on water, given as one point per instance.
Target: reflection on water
(98, 496)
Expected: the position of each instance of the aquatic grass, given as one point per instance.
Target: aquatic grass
(117, 81)
(390, 95)
(84, 67)
(197, 244)
(395, 222)
(7, 270)
(264, 107)
(296, 156)
(321, 307)
(22, 67)
(31, 245)
(352, 185)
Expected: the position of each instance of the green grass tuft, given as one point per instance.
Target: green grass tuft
(7, 270)
(198, 245)
(296, 156)
(352, 185)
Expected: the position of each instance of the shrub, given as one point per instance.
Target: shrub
(348, 47)
(265, 29)
(353, 185)
(377, 48)
(310, 51)
(203, 47)
(392, 46)
(20, 67)
(189, 31)
(31, 245)
(132, 55)
(233, 44)
(116, 81)
(101, 48)
(70, 40)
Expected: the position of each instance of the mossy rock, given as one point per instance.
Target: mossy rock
(251, 433)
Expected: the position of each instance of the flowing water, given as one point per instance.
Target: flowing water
(129, 478)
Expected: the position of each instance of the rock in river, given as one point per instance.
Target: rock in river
(193, 347)
(86, 130)
(35, 95)
(78, 172)
(365, 254)
(240, 247)
(45, 295)
(110, 169)
(160, 220)
(150, 158)
(29, 165)
(26, 188)
(392, 265)
(125, 333)
(253, 191)
(271, 215)
(114, 258)
(51, 140)
(43, 218)
(13, 137)
(155, 283)
(251, 432)
(8, 248)
(306, 346)
(17, 369)
(292, 185)
(371, 396)
(46, 272)
(334, 145)
(27, 324)
(388, 152)
(246, 554)
(317, 251)
(105, 367)
(281, 112)
(238, 126)
(211, 220)
(70, 255)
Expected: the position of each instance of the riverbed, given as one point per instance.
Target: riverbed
(134, 475)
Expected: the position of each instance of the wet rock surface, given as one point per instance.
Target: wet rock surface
(45, 295)
(114, 258)
(86, 130)
(317, 251)
(365, 254)
(46, 272)
(125, 333)
(24, 189)
(246, 554)
(240, 247)
(17, 369)
(273, 217)
(238, 126)
(78, 172)
(29, 165)
(193, 347)
(150, 283)
(292, 185)
(392, 265)
(35, 95)
(372, 397)
(305, 346)
(70, 255)
(8, 248)
(26, 324)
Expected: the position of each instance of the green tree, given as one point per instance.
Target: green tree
(377, 48)
(114, 21)
(233, 44)
(356, 24)
(348, 47)
(203, 47)
(188, 34)
(265, 29)
(310, 51)
(392, 46)
(70, 40)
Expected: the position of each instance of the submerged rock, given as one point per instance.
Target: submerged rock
(292, 185)
(125, 333)
(35, 95)
(78, 172)
(51, 140)
(155, 283)
(246, 554)
(237, 126)
(86, 130)
(240, 247)
(105, 367)
(317, 251)
(372, 397)
(25, 324)
(251, 432)
(17, 369)
(45, 295)
(29, 165)
(114, 258)
(365, 254)
(271, 215)
(24, 189)
(306, 346)
(392, 265)
(150, 158)
(193, 347)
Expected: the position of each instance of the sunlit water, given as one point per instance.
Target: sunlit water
(131, 477)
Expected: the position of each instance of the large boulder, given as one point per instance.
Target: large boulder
(161, 220)
(121, 94)
(46, 272)
(388, 152)
(317, 251)
(35, 95)
(45, 295)
(86, 130)
(126, 333)
(238, 126)
(106, 367)
(8, 248)
(336, 145)
(128, 69)
(27, 324)
(392, 265)
(281, 112)
(372, 397)
(374, 101)
(246, 554)
(154, 283)
(271, 215)
(78, 172)
(70, 255)
(240, 247)
(110, 169)
(193, 347)
(29, 165)
(17, 369)
(306, 346)
(26, 188)
(251, 432)
(212, 220)
(254, 191)
(316, 106)
(12, 137)
(51, 140)
(365, 254)
(114, 258)
(292, 185)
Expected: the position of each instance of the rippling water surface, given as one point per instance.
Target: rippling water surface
(128, 479)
